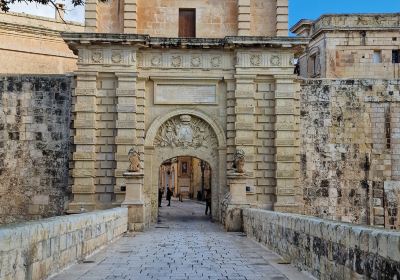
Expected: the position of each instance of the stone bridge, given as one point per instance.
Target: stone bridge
(186, 244)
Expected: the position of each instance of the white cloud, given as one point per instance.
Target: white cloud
(72, 13)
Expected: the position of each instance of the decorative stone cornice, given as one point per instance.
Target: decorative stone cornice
(141, 40)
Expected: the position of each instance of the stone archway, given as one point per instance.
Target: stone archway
(185, 133)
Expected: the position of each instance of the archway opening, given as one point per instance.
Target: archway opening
(185, 182)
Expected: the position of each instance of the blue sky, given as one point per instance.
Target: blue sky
(298, 9)
(312, 9)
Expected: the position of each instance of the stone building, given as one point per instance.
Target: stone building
(33, 45)
(186, 176)
(190, 83)
(351, 46)
(219, 80)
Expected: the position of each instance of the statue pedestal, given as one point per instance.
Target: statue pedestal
(233, 218)
(134, 200)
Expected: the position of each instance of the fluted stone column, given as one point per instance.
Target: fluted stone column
(84, 169)
(287, 144)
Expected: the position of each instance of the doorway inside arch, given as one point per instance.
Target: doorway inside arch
(185, 183)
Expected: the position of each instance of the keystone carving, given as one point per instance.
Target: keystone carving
(186, 131)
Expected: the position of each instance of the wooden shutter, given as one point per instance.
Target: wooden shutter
(187, 23)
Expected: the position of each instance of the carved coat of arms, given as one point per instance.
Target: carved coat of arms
(185, 131)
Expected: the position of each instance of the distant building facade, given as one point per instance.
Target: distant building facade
(351, 45)
(33, 45)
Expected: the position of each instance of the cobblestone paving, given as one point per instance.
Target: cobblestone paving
(184, 245)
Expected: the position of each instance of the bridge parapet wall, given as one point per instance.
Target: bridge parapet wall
(35, 250)
(327, 249)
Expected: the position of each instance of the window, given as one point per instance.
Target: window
(187, 23)
(313, 65)
(377, 57)
(395, 56)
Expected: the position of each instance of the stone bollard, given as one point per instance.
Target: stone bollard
(134, 200)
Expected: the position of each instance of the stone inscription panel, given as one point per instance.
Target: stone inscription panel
(185, 94)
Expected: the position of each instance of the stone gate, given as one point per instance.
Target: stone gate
(185, 97)
(224, 84)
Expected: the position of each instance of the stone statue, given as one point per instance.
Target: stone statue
(134, 160)
(238, 161)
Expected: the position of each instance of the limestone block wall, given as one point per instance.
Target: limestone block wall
(327, 249)
(33, 45)
(106, 132)
(214, 19)
(34, 146)
(35, 250)
(108, 16)
(349, 150)
(265, 146)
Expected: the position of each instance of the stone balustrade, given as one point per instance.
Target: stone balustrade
(327, 249)
(38, 249)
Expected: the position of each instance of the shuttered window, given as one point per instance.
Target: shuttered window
(187, 23)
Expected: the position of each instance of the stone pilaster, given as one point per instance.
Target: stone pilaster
(282, 18)
(91, 16)
(287, 144)
(130, 16)
(230, 120)
(243, 17)
(84, 169)
(245, 119)
(126, 125)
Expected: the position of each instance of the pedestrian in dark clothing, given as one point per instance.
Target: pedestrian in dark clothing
(160, 194)
(169, 195)
(208, 201)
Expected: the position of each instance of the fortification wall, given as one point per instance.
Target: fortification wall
(350, 150)
(34, 146)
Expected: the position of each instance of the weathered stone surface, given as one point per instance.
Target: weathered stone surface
(38, 249)
(349, 149)
(327, 249)
(34, 146)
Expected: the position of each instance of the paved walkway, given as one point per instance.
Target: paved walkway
(184, 245)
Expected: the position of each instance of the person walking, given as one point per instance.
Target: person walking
(208, 201)
(169, 195)
(160, 194)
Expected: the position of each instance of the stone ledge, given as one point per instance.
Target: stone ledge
(341, 248)
(40, 243)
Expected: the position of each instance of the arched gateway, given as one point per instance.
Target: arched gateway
(184, 133)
